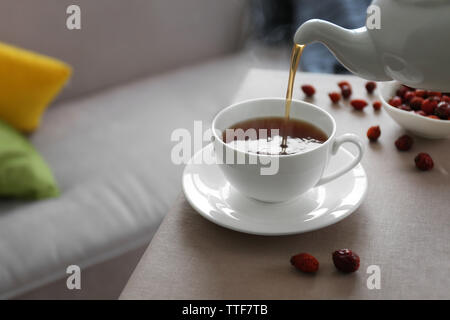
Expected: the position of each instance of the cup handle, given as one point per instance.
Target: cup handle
(348, 137)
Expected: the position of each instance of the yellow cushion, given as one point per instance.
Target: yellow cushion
(28, 83)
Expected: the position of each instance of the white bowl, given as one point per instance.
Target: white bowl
(412, 122)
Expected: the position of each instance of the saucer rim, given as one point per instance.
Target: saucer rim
(287, 233)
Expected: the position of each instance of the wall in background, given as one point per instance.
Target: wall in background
(123, 39)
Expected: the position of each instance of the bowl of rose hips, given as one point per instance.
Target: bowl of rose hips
(424, 113)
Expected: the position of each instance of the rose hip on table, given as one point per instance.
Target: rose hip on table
(346, 89)
(376, 105)
(309, 90)
(373, 133)
(404, 143)
(305, 262)
(432, 104)
(370, 86)
(424, 161)
(346, 92)
(343, 83)
(358, 104)
(334, 96)
(346, 260)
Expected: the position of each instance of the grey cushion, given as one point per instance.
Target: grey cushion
(110, 153)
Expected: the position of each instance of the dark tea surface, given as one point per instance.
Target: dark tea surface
(265, 136)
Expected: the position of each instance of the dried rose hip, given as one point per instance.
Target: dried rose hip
(435, 98)
(358, 104)
(308, 90)
(395, 101)
(404, 143)
(416, 103)
(376, 105)
(305, 262)
(423, 102)
(370, 86)
(423, 161)
(445, 99)
(346, 91)
(345, 260)
(429, 105)
(334, 96)
(442, 110)
(434, 94)
(405, 107)
(401, 91)
(344, 83)
(421, 93)
(421, 113)
(408, 96)
(373, 133)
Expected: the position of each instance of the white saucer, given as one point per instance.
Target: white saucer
(215, 199)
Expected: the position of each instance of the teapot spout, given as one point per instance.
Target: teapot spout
(353, 48)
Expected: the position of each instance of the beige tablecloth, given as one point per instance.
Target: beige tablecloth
(403, 226)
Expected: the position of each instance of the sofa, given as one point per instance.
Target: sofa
(142, 68)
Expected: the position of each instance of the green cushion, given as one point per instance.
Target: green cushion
(23, 172)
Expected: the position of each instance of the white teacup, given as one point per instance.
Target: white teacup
(295, 173)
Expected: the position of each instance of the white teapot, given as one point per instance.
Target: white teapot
(411, 44)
